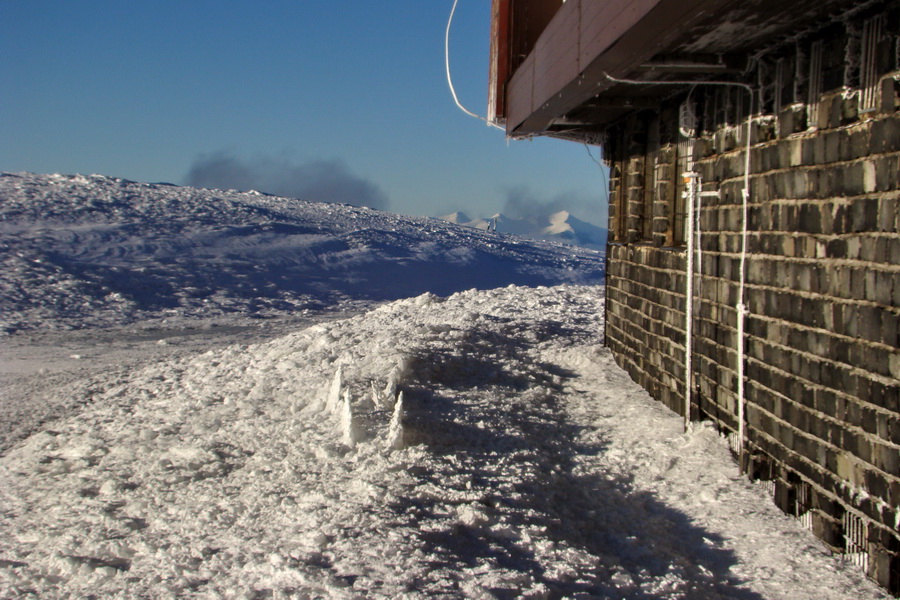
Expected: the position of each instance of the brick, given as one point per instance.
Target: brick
(864, 215)
(824, 113)
(852, 179)
(884, 136)
(890, 398)
(894, 430)
(810, 218)
(890, 95)
(887, 459)
(886, 173)
(876, 483)
(832, 114)
(870, 323)
(832, 148)
(849, 109)
(884, 568)
(895, 301)
(840, 222)
(857, 144)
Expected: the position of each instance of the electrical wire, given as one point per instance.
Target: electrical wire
(450, 78)
(602, 172)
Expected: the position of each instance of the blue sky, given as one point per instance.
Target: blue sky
(184, 91)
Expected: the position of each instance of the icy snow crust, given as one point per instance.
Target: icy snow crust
(98, 251)
(479, 446)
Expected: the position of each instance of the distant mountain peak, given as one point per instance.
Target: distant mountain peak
(458, 217)
(560, 226)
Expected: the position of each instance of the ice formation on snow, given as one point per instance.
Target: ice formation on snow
(394, 438)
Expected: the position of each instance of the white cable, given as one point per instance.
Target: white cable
(450, 79)
(699, 229)
(741, 308)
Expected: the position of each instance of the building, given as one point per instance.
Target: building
(754, 256)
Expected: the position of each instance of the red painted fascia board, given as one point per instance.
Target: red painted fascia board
(499, 60)
(613, 37)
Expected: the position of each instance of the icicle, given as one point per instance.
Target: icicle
(389, 395)
(395, 378)
(374, 399)
(332, 401)
(395, 429)
(349, 426)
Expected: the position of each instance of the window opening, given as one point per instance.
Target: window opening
(803, 509)
(687, 119)
(619, 183)
(833, 52)
(684, 163)
(661, 185)
(815, 82)
(779, 89)
(767, 85)
(856, 548)
(800, 82)
(852, 55)
(871, 37)
(650, 182)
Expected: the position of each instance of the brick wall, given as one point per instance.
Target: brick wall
(822, 343)
(645, 318)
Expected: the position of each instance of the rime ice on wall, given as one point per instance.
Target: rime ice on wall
(823, 291)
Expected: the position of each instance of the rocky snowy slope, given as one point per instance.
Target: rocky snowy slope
(99, 251)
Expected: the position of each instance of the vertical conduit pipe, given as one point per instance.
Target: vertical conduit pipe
(690, 179)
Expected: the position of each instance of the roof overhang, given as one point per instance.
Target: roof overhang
(567, 79)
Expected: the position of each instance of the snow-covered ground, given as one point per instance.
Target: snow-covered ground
(478, 445)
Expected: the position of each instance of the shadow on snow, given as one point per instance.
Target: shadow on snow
(504, 437)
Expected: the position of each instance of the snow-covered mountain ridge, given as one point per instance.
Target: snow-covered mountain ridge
(97, 251)
(561, 226)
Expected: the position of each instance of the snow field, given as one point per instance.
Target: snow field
(93, 251)
(478, 446)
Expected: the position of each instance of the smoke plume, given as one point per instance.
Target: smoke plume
(522, 203)
(320, 180)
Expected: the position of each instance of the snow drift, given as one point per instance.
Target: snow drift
(479, 446)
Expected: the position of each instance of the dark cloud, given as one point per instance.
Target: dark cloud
(522, 203)
(319, 180)
(220, 171)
